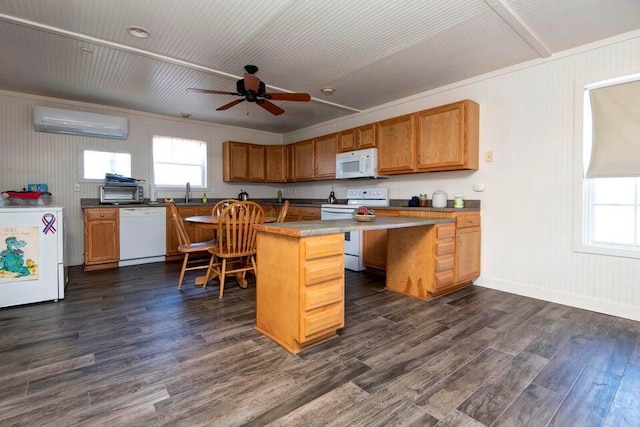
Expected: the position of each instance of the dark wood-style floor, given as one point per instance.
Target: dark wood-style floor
(126, 347)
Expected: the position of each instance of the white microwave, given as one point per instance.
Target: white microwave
(357, 164)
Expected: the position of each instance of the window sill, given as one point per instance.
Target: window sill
(607, 250)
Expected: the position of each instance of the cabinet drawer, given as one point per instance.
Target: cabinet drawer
(445, 247)
(468, 221)
(444, 263)
(324, 294)
(108, 213)
(323, 270)
(323, 246)
(446, 231)
(329, 317)
(443, 279)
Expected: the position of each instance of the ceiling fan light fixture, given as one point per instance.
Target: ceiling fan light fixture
(327, 90)
(139, 32)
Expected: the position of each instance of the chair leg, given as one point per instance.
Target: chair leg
(223, 273)
(253, 262)
(209, 270)
(184, 268)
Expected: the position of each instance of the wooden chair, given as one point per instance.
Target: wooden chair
(186, 246)
(235, 222)
(283, 212)
(218, 207)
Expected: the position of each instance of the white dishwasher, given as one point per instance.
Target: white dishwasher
(143, 235)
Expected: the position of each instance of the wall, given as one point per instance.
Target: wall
(32, 157)
(527, 120)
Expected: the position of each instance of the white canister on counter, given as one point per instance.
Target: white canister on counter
(439, 199)
(458, 201)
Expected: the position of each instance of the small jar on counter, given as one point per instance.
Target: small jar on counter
(458, 201)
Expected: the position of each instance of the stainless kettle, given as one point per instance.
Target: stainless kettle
(243, 195)
(332, 197)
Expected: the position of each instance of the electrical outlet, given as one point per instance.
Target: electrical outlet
(488, 156)
(77, 187)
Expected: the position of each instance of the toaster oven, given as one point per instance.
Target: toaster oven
(117, 195)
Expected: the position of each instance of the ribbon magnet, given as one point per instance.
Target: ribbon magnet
(49, 220)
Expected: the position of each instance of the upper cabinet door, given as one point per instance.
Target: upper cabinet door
(347, 140)
(275, 163)
(447, 137)
(303, 163)
(396, 145)
(324, 151)
(366, 136)
(235, 161)
(256, 162)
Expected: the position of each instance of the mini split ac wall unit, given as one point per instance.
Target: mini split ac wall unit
(55, 120)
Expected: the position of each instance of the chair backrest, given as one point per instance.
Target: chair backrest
(283, 212)
(235, 222)
(183, 237)
(218, 207)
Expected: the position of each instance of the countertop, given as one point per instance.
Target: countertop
(470, 205)
(335, 226)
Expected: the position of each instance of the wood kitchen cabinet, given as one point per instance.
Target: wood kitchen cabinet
(302, 213)
(303, 162)
(457, 261)
(324, 156)
(101, 238)
(447, 137)
(196, 233)
(243, 162)
(301, 301)
(396, 145)
(357, 139)
(315, 158)
(275, 170)
(467, 266)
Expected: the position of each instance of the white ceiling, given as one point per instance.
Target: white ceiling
(371, 51)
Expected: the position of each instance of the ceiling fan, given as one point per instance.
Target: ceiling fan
(254, 90)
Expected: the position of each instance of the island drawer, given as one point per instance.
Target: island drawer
(325, 318)
(323, 246)
(323, 270)
(322, 294)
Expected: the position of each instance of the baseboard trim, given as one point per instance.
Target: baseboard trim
(619, 310)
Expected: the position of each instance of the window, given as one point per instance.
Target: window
(177, 161)
(96, 163)
(610, 205)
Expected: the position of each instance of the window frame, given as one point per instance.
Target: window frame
(204, 171)
(583, 187)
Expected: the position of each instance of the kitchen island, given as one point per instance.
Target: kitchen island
(300, 277)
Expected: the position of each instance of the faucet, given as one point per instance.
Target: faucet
(187, 196)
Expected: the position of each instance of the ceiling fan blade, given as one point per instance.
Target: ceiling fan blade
(272, 108)
(193, 89)
(251, 82)
(304, 97)
(229, 105)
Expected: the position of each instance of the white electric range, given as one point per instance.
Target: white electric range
(370, 197)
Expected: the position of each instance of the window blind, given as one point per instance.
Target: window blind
(615, 148)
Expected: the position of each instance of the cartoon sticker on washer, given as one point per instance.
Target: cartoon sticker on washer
(19, 253)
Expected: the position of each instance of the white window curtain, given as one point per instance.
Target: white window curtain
(615, 150)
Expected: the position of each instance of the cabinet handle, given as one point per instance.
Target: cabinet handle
(101, 215)
(459, 240)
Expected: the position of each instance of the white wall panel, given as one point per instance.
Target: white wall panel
(527, 120)
(32, 157)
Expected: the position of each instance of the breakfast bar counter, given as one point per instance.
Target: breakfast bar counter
(300, 277)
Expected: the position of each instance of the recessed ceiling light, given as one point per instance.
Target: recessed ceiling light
(138, 32)
(86, 50)
(185, 115)
(327, 90)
